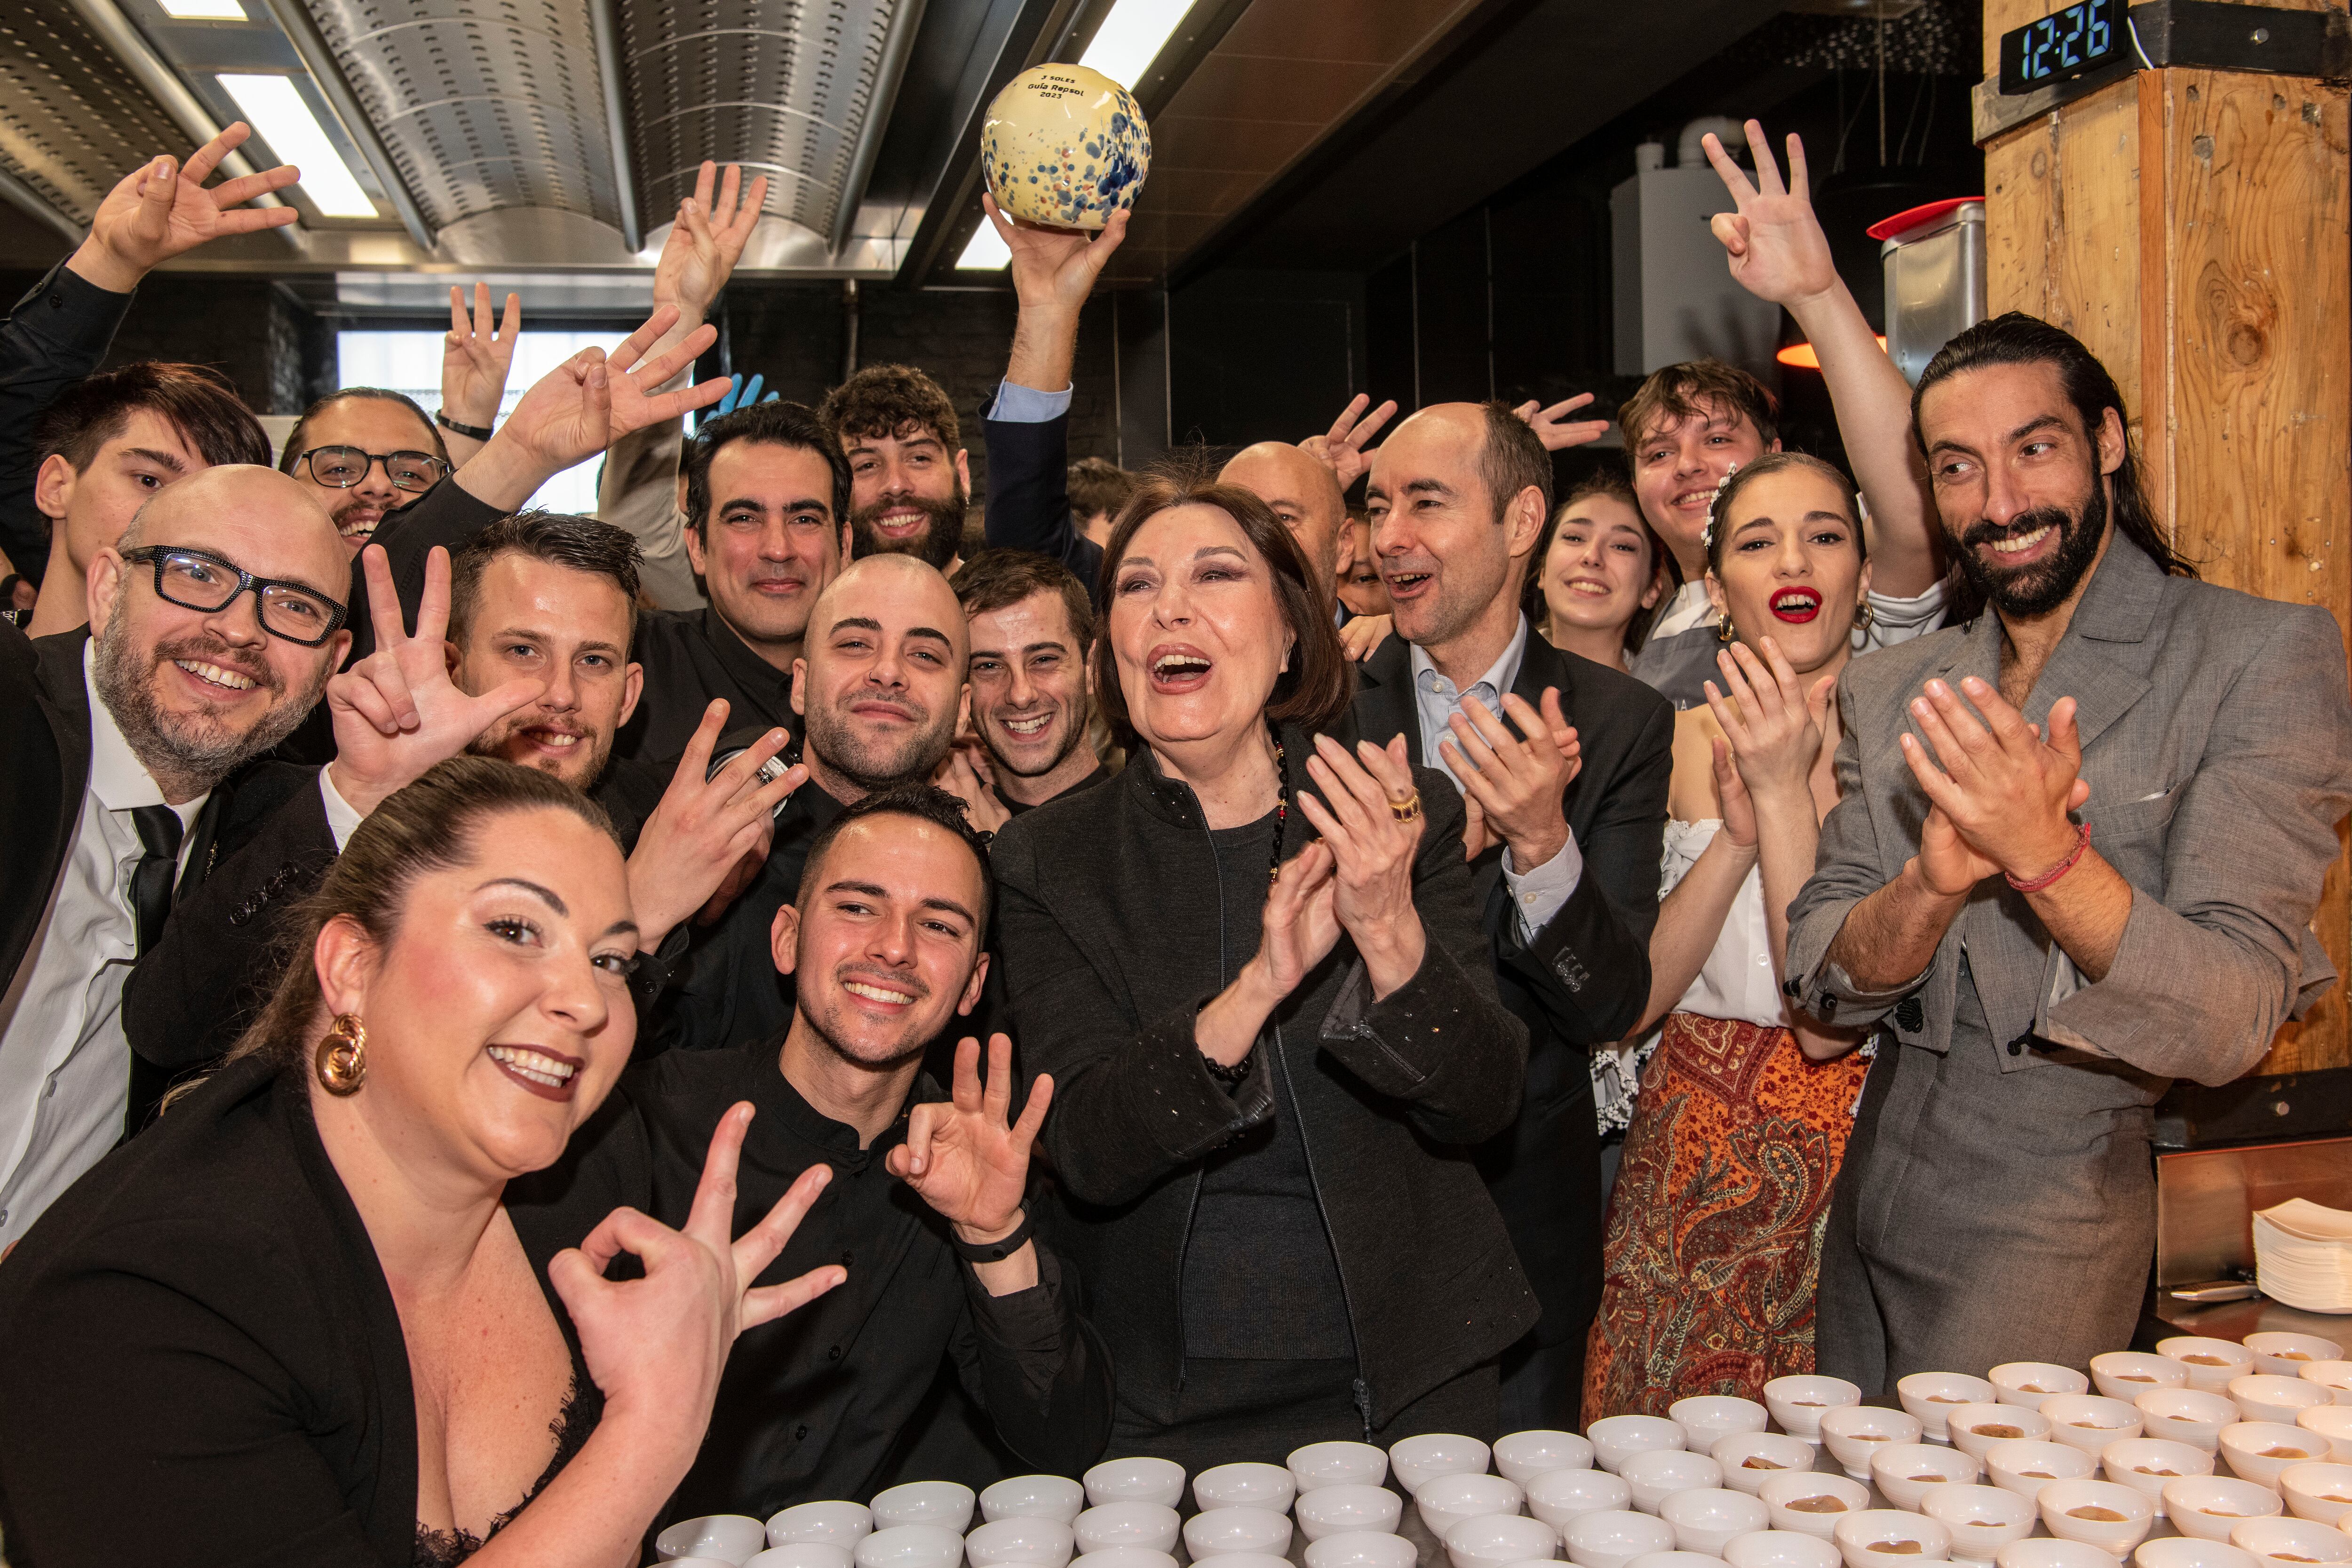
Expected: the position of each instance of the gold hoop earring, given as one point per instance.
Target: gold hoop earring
(1863, 613)
(1723, 628)
(340, 1062)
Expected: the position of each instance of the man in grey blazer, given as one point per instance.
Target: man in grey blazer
(2079, 844)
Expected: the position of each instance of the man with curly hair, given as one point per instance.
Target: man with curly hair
(910, 482)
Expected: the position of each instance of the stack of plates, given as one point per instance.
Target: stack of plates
(2302, 1256)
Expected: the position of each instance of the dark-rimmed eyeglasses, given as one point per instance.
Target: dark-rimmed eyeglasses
(341, 468)
(200, 580)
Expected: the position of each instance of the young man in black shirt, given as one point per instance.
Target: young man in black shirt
(1033, 629)
(884, 939)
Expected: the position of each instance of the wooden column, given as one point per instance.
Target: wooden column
(2191, 227)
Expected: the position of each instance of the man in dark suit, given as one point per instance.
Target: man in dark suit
(1566, 818)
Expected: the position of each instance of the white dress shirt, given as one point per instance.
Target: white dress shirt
(1537, 893)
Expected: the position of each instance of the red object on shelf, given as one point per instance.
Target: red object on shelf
(1903, 222)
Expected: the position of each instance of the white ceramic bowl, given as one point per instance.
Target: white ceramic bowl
(2263, 1396)
(910, 1546)
(1662, 1472)
(1253, 1560)
(2191, 1416)
(1617, 1438)
(706, 1562)
(1347, 1509)
(2144, 1464)
(1933, 1396)
(1523, 1455)
(727, 1537)
(2128, 1375)
(1749, 1459)
(1033, 1497)
(1152, 1525)
(2025, 1467)
(1047, 1542)
(1797, 1403)
(1337, 1465)
(1137, 1479)
(1706, 1518)
(2092, 1421)
(1780, 1549)
(1675, 1559)
(1245, 1484)
(946, 1504)
(1884, 1537)
(801, 1555)
(1558, 1496)
(2113, 1518)
(2028, 1383)
(1500, 1540)
(1708, 1418)
(2335, 1377)
(1222, 1531)
(1974, 1428)
(1127, 1557)
(2261, 1451)
(1906, 1473)
(1435, 1453)
(841, 1525)
(2188, 1551)
(1362, 1549)
(1613, 1538)
(2042, 1551)
(2290, 1542)
(2320, 1492)
(2211, 1363)
(1853, 1433)
(2288, 1354)
(2331, 1423)
(2210, 1507)
(1447, 1500)
(1811, 1504)
(1981, 1520)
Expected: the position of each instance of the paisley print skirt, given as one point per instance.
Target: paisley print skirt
(1714, 1238)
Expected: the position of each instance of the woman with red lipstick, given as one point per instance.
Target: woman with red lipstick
(1255, 968)
(293, 1322)
(1714, 1234)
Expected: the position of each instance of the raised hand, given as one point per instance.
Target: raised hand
(1341, 447)
(2004, 789)
(158, 211)
(654, 1345)
(1555, 429)
(1519, 784)
(396, 712)
(1372, 851)
(707, 838)
(708, 239)
(1774, 725)
(475, 359)
(591, 400)
(1363, 635)
(964, 772)
(967, 1157)
(1778, 251)
(1054, 270)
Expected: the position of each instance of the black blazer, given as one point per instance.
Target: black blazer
(1029, 494)
(1585, 978)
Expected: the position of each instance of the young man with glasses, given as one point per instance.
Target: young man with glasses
(366, 451)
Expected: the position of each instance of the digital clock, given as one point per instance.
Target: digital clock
(2062, 45)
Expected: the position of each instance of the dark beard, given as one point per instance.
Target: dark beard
(188, 753)
(831, 741)
(2031, 592)
(942, 537)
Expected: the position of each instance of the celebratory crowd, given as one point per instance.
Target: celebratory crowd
(521, 1027)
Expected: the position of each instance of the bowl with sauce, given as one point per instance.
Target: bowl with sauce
(1975, 1428)
(2113, 1518)
(1888, 1537)
(1905, 1472)
(2026, 1466)
(1749, 1459)
(2335, 1377)
(2042, 1552)
(2285, 1356)
(2211, 1363)
(2191, 1416)
(2290, 1542)
(2261, 1451)
(2210, 1507)
(1813, 1503)
(1780, 1548)
(2331, 1423)
(2187, 1552)
(1797, 1403)
(2128, 1375)
(2144, 1464)
(2028, 1383)
(2319, 1493)
(1853, 1433)
(1932, 1396)
(1981, 1520)
(2091, 1421)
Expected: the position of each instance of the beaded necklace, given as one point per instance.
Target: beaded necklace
(1281, 804)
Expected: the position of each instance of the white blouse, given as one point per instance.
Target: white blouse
(1737, 980)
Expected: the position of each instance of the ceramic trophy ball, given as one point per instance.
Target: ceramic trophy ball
(1064, 147)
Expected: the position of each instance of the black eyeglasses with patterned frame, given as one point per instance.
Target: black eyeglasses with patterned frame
(200, 580)
(341, 468)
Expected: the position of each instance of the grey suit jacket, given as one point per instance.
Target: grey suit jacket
(2217, 740)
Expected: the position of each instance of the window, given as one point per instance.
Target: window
(410, 363)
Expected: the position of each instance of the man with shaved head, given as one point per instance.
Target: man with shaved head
(215, 623)
(880, 689)
(1564, 764)
(1305, 493)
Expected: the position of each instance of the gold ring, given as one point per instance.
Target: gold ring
(1407, 809)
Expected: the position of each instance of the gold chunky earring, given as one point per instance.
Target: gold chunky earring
(340, 1061)
(1724, 631)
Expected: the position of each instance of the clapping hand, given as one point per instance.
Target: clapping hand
(967, 1157)
(654, 1345)
(1778, 251)
(708, 838)
(1515, 788)
(1774, 725)
(1341, 447)
(707, 240)
(2003, 795)
(1372, 851)
(1555, 429)
(475, 357)
(396, 712)
(157, 212)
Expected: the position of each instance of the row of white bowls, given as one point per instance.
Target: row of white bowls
(1706, 1487)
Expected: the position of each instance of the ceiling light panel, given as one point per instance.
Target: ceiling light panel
(203, 10)
(274, 106)
(1131, 38)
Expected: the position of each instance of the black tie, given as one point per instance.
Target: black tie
(158, 868)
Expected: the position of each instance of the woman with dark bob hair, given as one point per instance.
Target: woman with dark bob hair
(1253, 966)
(293, 1323)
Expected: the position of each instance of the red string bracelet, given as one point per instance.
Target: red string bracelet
(2082, 842)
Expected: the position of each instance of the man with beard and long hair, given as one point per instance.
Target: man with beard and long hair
(909, 478)
(215, 621)
(2076, 856)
